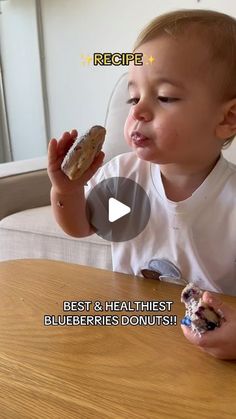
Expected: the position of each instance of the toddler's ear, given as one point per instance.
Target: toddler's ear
(227, 125)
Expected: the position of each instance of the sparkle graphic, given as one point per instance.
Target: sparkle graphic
(86, 59)
(150, 60)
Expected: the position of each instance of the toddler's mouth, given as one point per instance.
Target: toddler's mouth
(139, 140)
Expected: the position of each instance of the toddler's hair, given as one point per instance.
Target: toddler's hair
(216, 30)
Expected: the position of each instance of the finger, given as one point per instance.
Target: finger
(200, 340)
(99, 158)
(194, 338)
(97, 162)
(217, 304)
(207, 340)
(197, 340)
(52, 151)
(94, 166)
(65, 143)
(74, 133)
(65, 136)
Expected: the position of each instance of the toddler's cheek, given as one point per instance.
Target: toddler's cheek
(166, 136)
(127, 131)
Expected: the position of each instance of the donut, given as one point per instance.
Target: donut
(199, 316)
(83, 151)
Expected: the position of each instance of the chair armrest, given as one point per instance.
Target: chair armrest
(23, 185)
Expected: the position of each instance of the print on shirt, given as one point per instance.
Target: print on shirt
(164, 270)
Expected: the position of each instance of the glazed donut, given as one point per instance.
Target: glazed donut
(83, 151)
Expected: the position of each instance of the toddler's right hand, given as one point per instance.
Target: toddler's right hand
(56, 153)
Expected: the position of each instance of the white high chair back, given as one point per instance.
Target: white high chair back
(117, 111)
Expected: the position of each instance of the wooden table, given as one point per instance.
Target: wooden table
(100, 371)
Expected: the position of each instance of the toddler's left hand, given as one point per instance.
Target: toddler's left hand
(220, 342)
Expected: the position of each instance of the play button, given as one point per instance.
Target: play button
(118, 209)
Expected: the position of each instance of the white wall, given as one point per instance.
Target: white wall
(21, 73)
(77, 94)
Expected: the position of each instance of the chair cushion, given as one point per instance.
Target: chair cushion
(34, 233)
(22, 166)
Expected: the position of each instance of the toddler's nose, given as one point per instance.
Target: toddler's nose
(141, 112)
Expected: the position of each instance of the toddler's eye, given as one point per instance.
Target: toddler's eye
(132, 101)
(164, 99)
(167, 99)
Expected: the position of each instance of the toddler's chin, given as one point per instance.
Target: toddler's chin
(144, 154)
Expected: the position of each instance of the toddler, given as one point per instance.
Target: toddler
(183, 114)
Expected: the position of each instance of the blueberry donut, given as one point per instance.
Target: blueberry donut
(199, 316)
(83, 151)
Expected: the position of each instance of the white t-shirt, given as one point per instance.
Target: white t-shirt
(196, 235)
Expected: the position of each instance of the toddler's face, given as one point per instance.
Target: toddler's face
(177, 122)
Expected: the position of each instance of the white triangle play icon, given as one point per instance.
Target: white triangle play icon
(116, 210)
